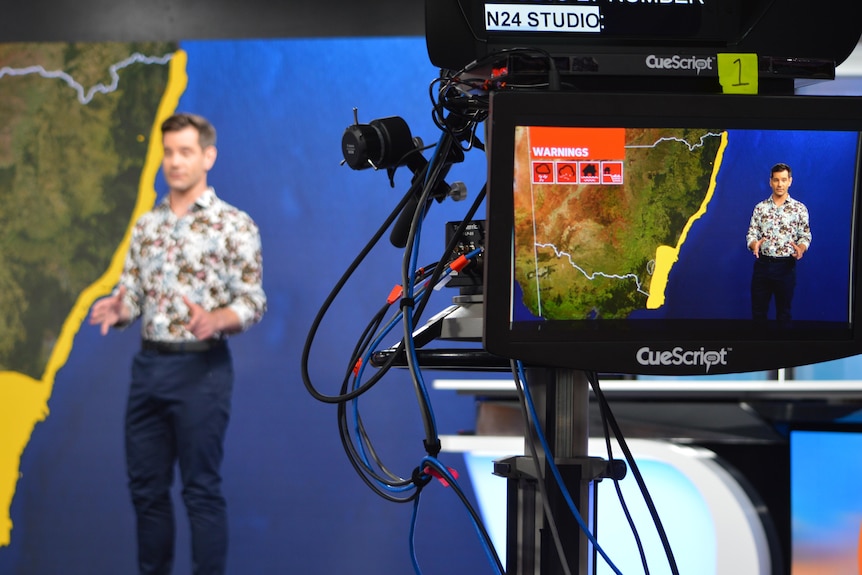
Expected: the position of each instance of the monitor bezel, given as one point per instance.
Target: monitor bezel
(612, 346)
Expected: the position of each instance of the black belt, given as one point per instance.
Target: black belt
(196, 346)
(776, 259)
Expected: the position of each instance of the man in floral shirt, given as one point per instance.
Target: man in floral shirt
(778, 235)
(193, 275)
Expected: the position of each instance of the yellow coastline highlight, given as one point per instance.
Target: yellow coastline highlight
(667, 256)
(24, 400)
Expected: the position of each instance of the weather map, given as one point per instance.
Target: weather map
(601, 214)
(89, 113)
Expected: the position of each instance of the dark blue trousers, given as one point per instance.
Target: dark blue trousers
(177, 413)
(773, 277)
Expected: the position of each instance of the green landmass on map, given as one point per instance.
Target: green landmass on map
(588, 251)
(69, 179)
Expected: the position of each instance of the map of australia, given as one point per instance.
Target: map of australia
(601, 214)
(79, 152)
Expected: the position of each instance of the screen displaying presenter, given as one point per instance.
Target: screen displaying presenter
(778, 236)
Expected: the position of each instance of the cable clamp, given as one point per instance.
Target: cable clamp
(432, 447)
(420, 478)
(434, 473)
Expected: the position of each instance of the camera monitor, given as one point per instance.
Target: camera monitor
(619, 228)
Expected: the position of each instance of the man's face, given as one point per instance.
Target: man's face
(780, 183)
(185, 163)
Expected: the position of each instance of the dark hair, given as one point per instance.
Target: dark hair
(206, 131)
(781, 168)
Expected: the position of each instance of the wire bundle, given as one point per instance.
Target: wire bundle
(460, 105)
(409, 300)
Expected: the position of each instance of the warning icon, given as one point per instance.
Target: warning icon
(543, 172)
(589, 172)
(567, 172)
(612, 173)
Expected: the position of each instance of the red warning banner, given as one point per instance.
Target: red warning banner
(551, 143)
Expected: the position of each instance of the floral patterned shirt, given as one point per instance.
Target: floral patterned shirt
(779, 225)
(212, 255)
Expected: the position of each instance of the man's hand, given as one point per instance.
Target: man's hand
(755, 247)
(205, 324)
(798, 250)
(110, 311)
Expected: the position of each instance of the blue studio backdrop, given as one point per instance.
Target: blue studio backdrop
(295, 504)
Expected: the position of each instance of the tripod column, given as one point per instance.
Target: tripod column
(561, 399)
(563, 412)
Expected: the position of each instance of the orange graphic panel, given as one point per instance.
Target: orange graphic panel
(577, 143)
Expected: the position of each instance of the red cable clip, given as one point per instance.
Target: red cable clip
(394, 295)
(434, 473)
(459, 263)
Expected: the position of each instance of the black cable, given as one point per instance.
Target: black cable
(368, 476)
(409, 318)
(475, 107)
(543, 493)
(369, 335)
(477, 520)
(600, 396)
(324, 308)
(372, 479)
(312, 332)
(604, 412)
(344, 423)
(365, 340)
(470, 110)
(353, 434)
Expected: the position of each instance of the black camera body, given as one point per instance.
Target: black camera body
(795, 39)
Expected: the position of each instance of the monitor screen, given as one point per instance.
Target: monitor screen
(826, 506)
(648, 234)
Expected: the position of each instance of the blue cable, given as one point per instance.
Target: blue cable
(490, 553)
(556, 472)
(413, 518)
(422, 293)
(406, 316)
(355, 403)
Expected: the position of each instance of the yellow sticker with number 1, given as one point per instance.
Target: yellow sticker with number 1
(737, 73)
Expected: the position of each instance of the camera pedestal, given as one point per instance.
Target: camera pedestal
(561, 398)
